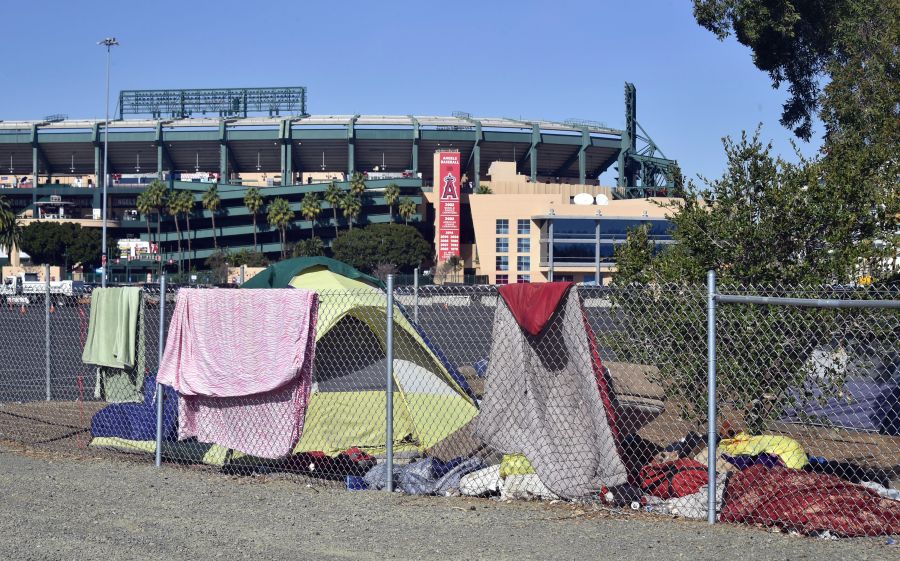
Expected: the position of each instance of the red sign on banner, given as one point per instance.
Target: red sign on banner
(447, 183)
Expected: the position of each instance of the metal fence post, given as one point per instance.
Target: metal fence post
(711, 393)
(159, 389)
(243, 272)
(389, 438)
(47, 329)
(416, 295)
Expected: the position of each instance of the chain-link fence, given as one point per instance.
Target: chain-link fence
(531, 391)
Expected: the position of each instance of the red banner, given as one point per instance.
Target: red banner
(447, 182)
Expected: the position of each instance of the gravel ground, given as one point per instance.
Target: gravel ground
(71, 508)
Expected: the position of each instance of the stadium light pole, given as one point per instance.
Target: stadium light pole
(109, 43)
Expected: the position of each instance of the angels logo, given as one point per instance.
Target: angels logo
(448, 191)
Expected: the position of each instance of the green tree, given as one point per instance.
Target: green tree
(310, 209)
(61, 244)
(764, 223)
(391, 196)
(144, 206)
(185, 204)
(9, 228)
(155, 195)
(839, 59)
(382, 244)
(357, 184)
(85, 247)
(333, 197)
(217, 264)
(862, 124)
(212, 202)
(676, 180)
(351, 206)
(309, 247)
(793, 41)
(174, 209)
(407, 209)
(253, 200)
(633, 257)
(280, 216)
(483, 190)
(248, 258)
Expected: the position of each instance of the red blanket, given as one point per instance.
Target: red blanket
(808, 503)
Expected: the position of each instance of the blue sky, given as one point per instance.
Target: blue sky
(530, 59)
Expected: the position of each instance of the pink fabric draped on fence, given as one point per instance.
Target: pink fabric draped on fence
(241, 361)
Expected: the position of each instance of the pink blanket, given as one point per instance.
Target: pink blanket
(242, 363)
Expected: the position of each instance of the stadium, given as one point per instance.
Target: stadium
(536, 171)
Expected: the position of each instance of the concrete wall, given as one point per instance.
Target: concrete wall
(12, 271)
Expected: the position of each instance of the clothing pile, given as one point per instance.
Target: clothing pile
(769, 480)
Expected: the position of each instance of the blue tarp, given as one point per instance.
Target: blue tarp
(137, 421)
(862, 404)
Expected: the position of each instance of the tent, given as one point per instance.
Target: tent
(862, 403)
(547, 395)
(347, 404)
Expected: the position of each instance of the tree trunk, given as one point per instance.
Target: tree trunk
(158, 242)
(391, 212)
(215, 240)
(187, 218)
(178, 230)
(255, 248)
(283, 242)
(334, 211)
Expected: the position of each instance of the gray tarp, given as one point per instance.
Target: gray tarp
(541, 400)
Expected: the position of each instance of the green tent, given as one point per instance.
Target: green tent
(348, 399)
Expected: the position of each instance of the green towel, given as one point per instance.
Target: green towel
(114, 321)
(116, 343)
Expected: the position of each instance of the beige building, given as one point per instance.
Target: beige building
(534, 232)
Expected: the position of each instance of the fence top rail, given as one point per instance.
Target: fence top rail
(805, 302)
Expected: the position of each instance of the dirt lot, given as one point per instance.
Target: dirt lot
(82, 507)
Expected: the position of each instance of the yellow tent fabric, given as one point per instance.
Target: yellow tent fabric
(337, 420)
(196, 452)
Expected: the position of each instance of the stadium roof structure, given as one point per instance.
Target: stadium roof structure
(319, 142)
(336, 143)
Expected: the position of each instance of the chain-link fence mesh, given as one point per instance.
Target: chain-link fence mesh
(597, 393)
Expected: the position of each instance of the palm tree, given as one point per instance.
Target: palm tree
(311, 208)
(357, 183)
(145, 208)
(212, 203)
(333, 197)
(280, 216)
(253, 200)
(391, 194)
(156, 200)
(183, 202)
(9, 228)
(407, 209)
(351, 207)
(174, 210)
